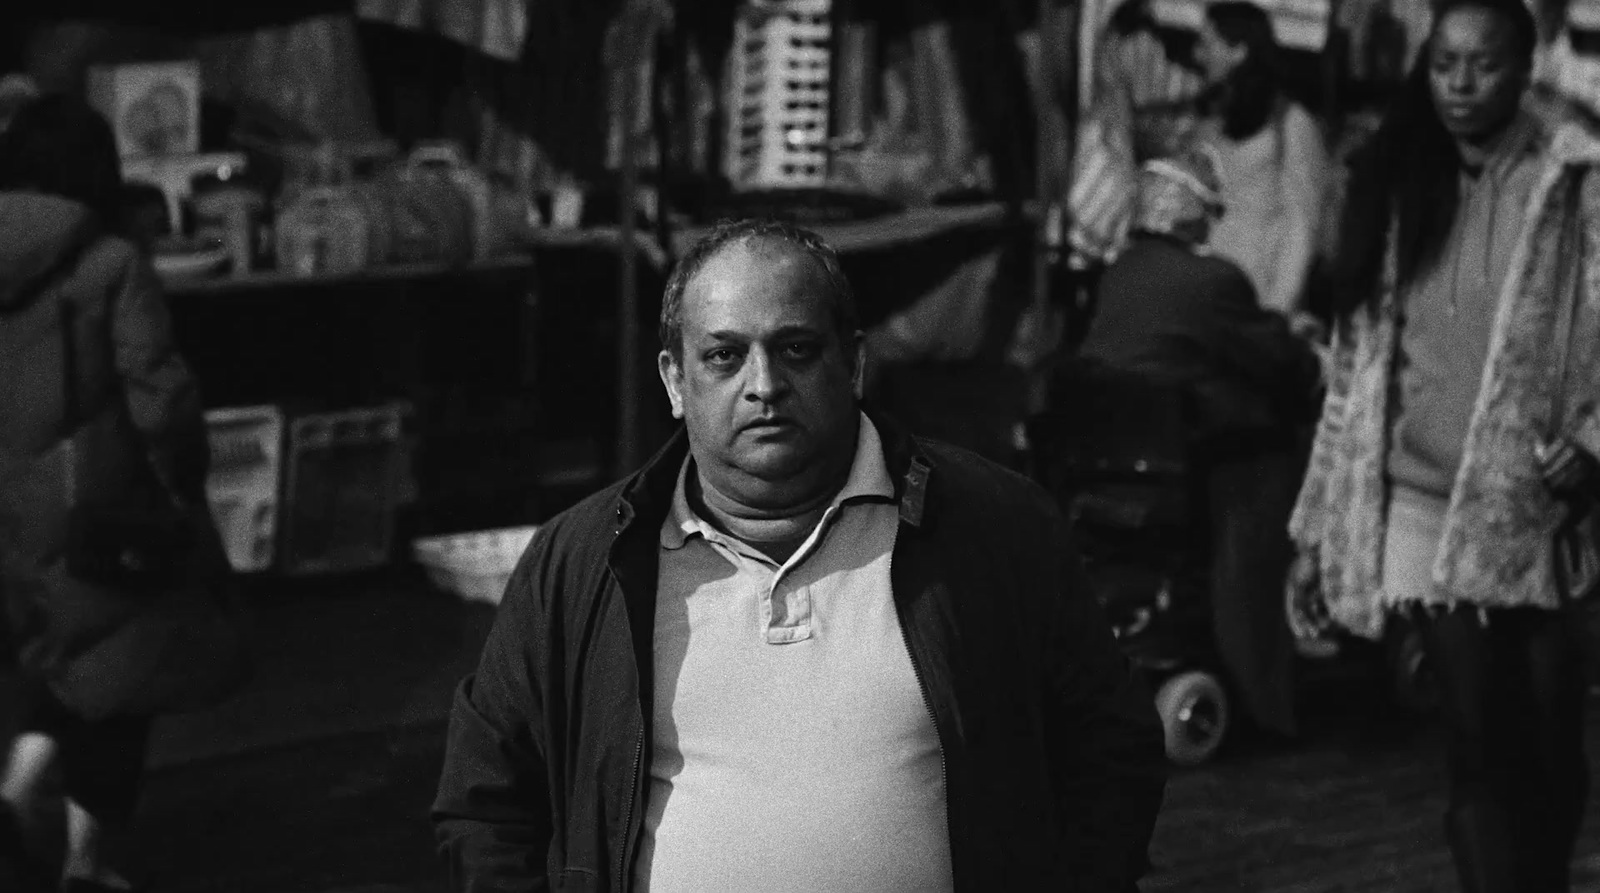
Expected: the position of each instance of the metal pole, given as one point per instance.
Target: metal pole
(627, 456)
(1042, 161)
(1052, 107)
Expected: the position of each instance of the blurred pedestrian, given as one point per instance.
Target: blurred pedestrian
(1144, 103)
(1460, 431)
(800, 649)
(95, 403)
(1169, 312)
(1271, 158)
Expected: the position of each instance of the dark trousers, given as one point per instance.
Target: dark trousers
(1250, 499)
(1512, 694)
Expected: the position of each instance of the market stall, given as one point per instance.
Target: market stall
(466, 210)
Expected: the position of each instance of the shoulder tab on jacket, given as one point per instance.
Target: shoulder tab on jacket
(914, 500)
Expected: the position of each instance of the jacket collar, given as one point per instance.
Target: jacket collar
(647, 496)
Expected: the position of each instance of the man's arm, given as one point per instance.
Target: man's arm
(1110, 765)
(492, 813)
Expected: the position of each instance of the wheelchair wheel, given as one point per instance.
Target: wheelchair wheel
(1194, 712)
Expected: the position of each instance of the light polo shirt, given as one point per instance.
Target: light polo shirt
(793, 749)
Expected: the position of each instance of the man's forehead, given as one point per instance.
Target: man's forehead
(756, 261)
(768, 250)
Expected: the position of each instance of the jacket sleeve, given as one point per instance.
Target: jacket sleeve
(1256, 346)
(162, 398)
(1110, 767)
(492, 813)
(1583, 363)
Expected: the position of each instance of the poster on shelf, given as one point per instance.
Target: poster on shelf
(153, 107)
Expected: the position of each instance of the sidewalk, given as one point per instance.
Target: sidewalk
(317, 779)
(336, 657)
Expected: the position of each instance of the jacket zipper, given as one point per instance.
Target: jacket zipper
(927, 704)
(624, 878)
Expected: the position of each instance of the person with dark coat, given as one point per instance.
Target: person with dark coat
(1167, 311)
(74, 293)
(800, 649)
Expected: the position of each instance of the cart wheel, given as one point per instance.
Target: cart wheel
(1194, 713)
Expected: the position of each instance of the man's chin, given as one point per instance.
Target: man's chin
(773, 462)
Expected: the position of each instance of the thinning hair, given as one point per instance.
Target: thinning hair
(841, 299)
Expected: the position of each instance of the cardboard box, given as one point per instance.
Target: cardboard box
(153, 107)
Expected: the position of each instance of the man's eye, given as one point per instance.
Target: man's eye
(800, 350)
(721, 358)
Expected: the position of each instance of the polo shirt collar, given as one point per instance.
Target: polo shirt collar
(869, 479)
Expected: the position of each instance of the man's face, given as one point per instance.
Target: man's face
(1474, 73)
(766, 386)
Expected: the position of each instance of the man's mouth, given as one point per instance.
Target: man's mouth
(769, 424)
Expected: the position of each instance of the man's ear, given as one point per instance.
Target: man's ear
(858, 348)
(672, 378)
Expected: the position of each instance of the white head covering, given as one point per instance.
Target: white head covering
(1177, 190)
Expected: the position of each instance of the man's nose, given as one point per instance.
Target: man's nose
(1461, 80)
(764, 379)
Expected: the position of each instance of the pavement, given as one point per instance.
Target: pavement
(317, 778)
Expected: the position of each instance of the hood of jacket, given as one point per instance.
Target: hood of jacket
(39, 234)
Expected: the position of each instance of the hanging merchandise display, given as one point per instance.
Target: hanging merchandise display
(496, 28)
(778, 92)
(1298, 24)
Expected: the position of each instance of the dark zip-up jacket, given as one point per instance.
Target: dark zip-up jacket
(1052, 749)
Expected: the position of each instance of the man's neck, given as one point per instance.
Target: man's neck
(777, 532)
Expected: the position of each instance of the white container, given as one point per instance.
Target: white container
(243, 483)
(778, 95)
(475, 566)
